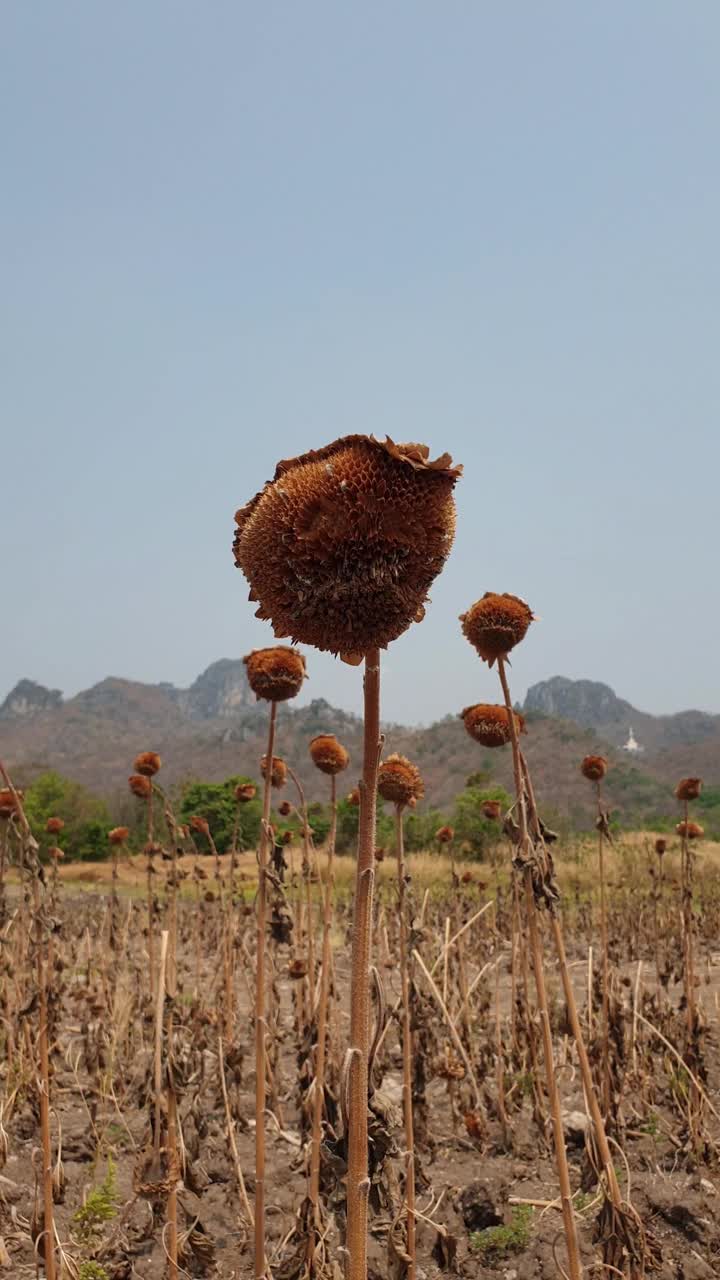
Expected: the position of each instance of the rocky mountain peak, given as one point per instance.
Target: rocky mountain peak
(588, 702)
(29, 699)
(222, 691)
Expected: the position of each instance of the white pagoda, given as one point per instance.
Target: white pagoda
(632, 745)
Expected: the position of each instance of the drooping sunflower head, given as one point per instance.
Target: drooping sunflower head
(278, 771)
(342, 546)
(245, 792)
(495, 624)
(54, 826)
(399, 781)
(688, 788)
(275, 674)
(328, 755)
(140, 785)
(489, 724)
(118, 835)
(148, 763)
(690, 830)
(594, 768)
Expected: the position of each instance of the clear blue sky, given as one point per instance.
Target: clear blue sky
(232, 232)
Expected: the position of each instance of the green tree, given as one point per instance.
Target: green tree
(472, 828)
(85, 815)
(215, 801)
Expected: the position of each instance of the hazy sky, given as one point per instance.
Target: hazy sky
(232, 232)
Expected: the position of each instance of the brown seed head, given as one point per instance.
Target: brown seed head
(353, 797)
(118, 835)
(399, 781)
(287, 836)
(328, 755)
(199, 824)
(660, 846)
(379, 854)
(490, 724)
(491, 809)
(140, 786)
(278, 772)
(688, 788)
(467, 877)
(594, 768)
(341, 548)
(8, 805)
(147, 763)
(285, 809)
(245, 791)
(54, 826)
(690, 830)
(275, 674)
(495, 624)
(444, 835)
(56, 853)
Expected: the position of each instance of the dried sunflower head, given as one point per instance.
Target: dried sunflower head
(199, 824)
(660, 846)
(688, 788)
(444, 835)
(328, 755)
(495, 624)
(353, 797)
(491, 809)
(341, 548)
(140, 786)
(399, 781)
(690, 830)
(54, 826)
(8, 805)
(278, 771)
(489, 724)
(56, 853)
(275, 674)
(245, 791)
(147, 763)
(118, 835)
(594, 768)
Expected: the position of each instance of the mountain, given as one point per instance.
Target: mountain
(215, 728)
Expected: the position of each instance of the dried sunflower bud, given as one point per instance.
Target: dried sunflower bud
(278, 771)
(118, 835)
(147, 763)
(495, 624)
(489, 724)
(353, 797)
(328, 755)
(660, 846)
(275, 674)
(285, 809)
(688, 788)
(690, 830)
(491, 809)
(379, 854)
(444, 835)
(140, 786)
(199, 824)
(8, 805)
(341, 548)
(399, 781)
(245, 791)
(54, 826)
(287, 836)
(594, 768)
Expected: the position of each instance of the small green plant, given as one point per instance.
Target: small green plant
(651, 1126)
(92, 1271)
(496, 1242)
(100, 1207)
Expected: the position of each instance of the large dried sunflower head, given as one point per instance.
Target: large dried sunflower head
(328, 755)
(341, 548)
(278, 771)
(489, 724)
(8, 804)
(495, 624)
(688, 788)
(275, 674)
(399, 781)
(147, 763)
(690, 830)
(594, 768)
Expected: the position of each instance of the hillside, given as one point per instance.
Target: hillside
(215, 728)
